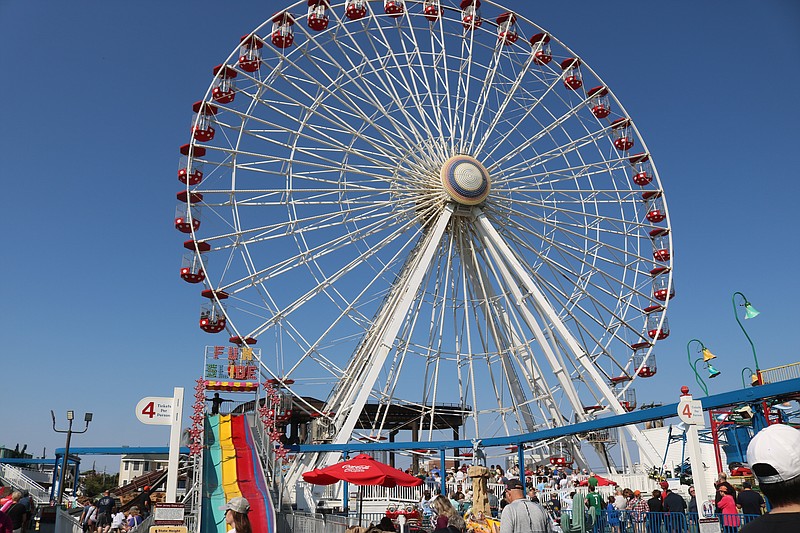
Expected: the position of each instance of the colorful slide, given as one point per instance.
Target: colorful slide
(231, 468)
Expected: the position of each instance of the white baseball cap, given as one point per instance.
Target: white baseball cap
(237, 504)
(774, 454)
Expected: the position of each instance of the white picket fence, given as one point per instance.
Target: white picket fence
(377, 499)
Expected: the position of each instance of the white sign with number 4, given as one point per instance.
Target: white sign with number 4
(154, 410)
(691, 412)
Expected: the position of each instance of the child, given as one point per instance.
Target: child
(613, 515)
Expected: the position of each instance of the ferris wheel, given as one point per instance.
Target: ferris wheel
(426, 204)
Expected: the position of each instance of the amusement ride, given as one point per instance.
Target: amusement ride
(426, 207)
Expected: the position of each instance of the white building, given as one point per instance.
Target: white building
(135, 464)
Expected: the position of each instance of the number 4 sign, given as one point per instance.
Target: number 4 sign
(154, 410)
(167, 412)
(691, 412)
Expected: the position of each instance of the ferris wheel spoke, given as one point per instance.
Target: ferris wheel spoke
(317, 136)
(376, 75)
(373, 212)
(501, 108)
(544, 157)
(334, 89)
(430, 90)
(578, 282)
(583, 222)
(324, 284)
(540, 181)
(530, 109)
(464, 83)
(424, 118)
(286, 265)
(576, 255)
(485, 90)
(442, 75)
(515, 345)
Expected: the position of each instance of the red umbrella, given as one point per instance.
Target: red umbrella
(362, 470)
(601, 482)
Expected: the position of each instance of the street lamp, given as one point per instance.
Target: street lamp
(707, 357)
(749, 312)
(70, 417)
(753, 376)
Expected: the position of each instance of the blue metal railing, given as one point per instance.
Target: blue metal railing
(634, 522)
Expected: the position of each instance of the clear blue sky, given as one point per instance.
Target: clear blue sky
(97, 99)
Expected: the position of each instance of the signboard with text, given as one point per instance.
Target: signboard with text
(231, 368)
(154, 410)
(168, 514)
(691, 411)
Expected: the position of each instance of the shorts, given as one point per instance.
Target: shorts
(104, 519)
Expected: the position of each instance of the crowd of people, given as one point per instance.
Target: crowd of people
(549, 497)
(16, 512)
(102, 515)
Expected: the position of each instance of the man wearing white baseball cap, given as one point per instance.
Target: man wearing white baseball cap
(774, 457)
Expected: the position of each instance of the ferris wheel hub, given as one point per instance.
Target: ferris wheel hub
(465, 180)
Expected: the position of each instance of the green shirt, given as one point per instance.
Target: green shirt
(596, 501)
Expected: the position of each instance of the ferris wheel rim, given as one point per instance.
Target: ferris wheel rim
(197, 237)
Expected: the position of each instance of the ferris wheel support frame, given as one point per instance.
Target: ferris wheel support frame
(494, 241)
(350, 396)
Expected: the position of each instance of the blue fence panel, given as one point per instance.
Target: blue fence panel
(630, 522)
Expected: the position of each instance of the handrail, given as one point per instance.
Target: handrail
(16, 477)
(780, 373)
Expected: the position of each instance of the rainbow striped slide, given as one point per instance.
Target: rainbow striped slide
(231, 468)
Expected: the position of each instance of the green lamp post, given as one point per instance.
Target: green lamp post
(706, 358)
(749, 312)
(753, 376)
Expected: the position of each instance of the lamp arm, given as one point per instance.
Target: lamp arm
(698, 379)
(746, 369)
(736, 316)
(694, 365)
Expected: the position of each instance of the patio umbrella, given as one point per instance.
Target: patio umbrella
(362, 470)
(601, 482)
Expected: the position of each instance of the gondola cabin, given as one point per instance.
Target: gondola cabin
(317, 18)
(471, 14)
(507, 31)
(432, 10)
(203, 120)
(622, 134)
(560, 454)
(223, 90)
(282, 32)
(663, 287)
(625, 396)
(192, 269)
(193, 175)
(394, 8)
(599, 102)
(355, 9)
(644, 365)
(250, 53)
(540, 44)
(656, 328)
(655, 206)
(187, 218)
(212, 319)
(661, 249)
(642, 169)
(572, 73)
